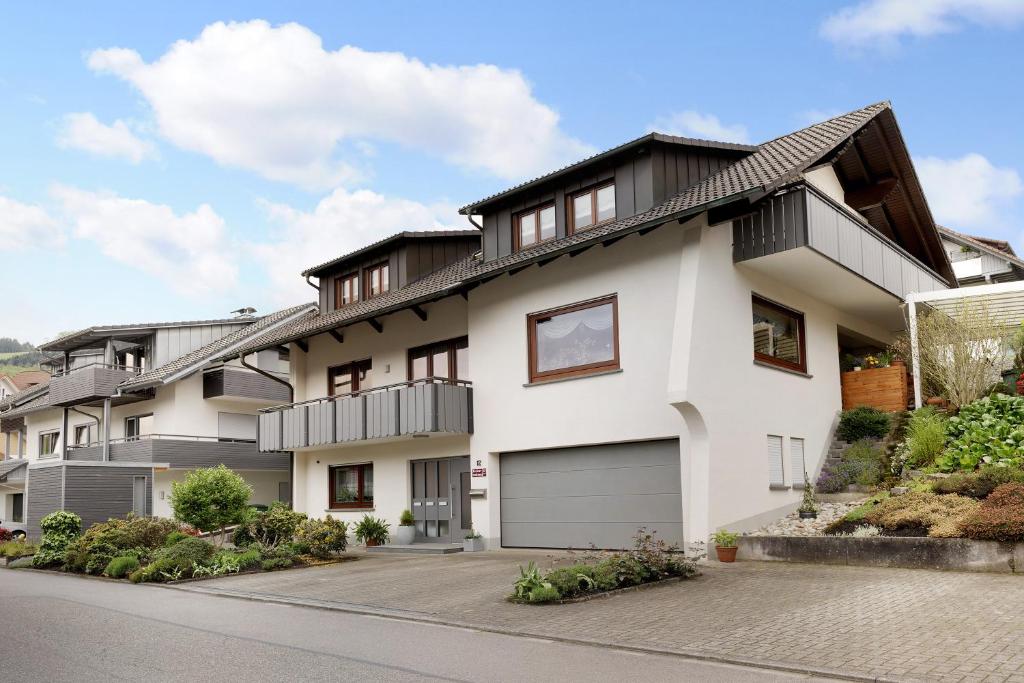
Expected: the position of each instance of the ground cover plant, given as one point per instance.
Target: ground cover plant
(863, 463)
(1000, 517)
(987, 431)
(649, 560)
(13, 549)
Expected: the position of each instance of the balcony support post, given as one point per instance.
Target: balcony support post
(915, 351)
(63, 433)
(106, 429)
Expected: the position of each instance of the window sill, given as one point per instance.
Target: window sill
(556, 380)
(350, 509)
(771, 366)
(778, 487)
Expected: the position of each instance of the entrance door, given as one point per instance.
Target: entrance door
(139, 487)
(18, 508)
(438, 499)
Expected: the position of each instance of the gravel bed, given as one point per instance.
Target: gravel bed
(792, 525)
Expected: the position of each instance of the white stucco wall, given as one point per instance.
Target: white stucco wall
(264, 484)
(391, 485)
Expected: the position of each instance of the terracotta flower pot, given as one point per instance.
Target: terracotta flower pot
(726, 554)
(936, 401)
(371, 543)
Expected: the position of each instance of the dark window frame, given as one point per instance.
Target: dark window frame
(55, 433)
(137, 418)
(87, 426)
(339, 284)
(535, 210)
(570, 206)
(352, 368)
(359, 504)
(615, 363)
(368, 277)
(801, 341)
(428, 351)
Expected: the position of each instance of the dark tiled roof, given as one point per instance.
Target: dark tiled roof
(28, 401)
(406, 235)
(88, 333)
(200, 356)
(775, 163)
(989, 246)
(9, 465)
(642, 140)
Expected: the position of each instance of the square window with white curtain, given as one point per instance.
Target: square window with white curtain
(776, 474)
(798, 465)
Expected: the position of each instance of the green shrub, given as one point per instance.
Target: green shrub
(184, 554)
(324, 537)
(372, 530)
(406, 518)
(1000, 517)
(211, 498)
(863, 423)
(725, 539)
(989, 430)
(862, 463)
(572, 581)
(92, 551)
(925, 437)
(174, 537)
(545, 594)
(978, 484)
(160, 570)
(530, 582)
(59, 529)
(272, 563)
(119, 567)
(278, 524)
(250, 559)
(941, 516)
(15, 549)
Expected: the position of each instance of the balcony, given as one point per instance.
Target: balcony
(812, 243)
(93, 382)
(238, 384)
(427, 406)
(179, 451)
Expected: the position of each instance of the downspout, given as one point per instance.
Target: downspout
(316, 287)
(469, 217)
(291, 399)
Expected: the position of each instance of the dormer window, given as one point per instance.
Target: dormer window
(346, 290)
(592, 207)
(377, 280)
(535, 226)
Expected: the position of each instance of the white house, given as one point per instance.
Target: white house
(650, 337)
(133, 408)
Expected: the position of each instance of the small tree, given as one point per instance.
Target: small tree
(960, 354)
(211, 499)
(809, 503)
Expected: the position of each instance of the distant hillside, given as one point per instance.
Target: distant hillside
(8, 345)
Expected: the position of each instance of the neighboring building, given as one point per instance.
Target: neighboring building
(12, 443)
(981, 260)
(645, 338)
(134, 407)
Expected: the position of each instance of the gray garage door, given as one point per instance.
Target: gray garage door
(600, 495)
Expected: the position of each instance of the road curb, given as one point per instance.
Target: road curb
(428, 618)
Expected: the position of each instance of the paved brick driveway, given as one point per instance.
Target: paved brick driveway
(889, 623)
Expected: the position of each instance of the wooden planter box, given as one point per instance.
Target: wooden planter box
(882, 388)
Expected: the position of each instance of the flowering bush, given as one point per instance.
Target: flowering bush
(59, 529)
(5, 535)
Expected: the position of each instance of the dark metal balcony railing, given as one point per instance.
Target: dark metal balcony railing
(424, 406)
(162, 437)
(110, 366)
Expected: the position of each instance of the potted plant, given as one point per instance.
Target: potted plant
(725, 545)
(809, 506)
(473, 542)
(372, 531)
(406, 531)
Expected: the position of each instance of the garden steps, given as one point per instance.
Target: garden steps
(418, 548)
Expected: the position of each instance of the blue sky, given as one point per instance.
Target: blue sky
(178, 162)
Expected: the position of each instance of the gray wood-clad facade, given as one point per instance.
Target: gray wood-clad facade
(804, 217)
(229, 382)
(93, 492)
(643, 176)
(171, 343)
(88, 383)
(184, 453)
(408, 260)
(423, 408)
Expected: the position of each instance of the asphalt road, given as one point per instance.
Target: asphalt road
(66, 628)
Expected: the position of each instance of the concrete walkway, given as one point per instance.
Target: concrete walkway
(866, 623)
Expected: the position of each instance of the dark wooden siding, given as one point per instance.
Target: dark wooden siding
(643, 178)
(43, 495)
(237, 382)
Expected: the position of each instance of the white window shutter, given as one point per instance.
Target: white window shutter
(776, 476)
(796, 458)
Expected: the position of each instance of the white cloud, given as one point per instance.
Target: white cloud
(883, 22)
(24, 226)
(693, 124)
(813, 116)
(968, 192)
(273, 100)
(341, 222)
(190, 252)
(83, 131)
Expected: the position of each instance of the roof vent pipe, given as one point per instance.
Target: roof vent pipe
(244, 312)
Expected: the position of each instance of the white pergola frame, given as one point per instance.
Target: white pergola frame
(1005, 299)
